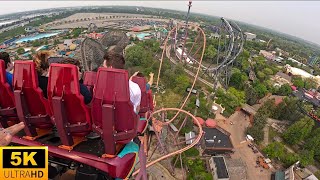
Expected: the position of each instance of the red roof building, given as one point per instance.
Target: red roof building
(136, 29)
(201, 121)
(95, 35)
(211, 123)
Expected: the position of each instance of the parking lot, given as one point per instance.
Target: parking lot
(236, 125)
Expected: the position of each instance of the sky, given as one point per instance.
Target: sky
(297, 18)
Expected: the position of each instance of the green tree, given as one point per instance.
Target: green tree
(36, 43)
(267, 71)
(260, 63)
(76, 32)
(242, 60)
(230, 99)
(238, 80)
(192, 152)
(181, 83)
(284, 90)
(313, 142)
(256, 133)
(298, 131)
(260, 89)
(251, 95)
(138, 56)
(298, 81)
(274, 150)
(20, 51)
(288, 110)
(262, 76)
(240, 95)
(310, 83)
(306, 157)
(210, 52)
(289, 158)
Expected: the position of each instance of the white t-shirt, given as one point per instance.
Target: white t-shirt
(135, 95)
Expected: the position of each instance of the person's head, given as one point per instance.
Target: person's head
(7, 61)
(140, 74)
(114, 60)
(70, 61)
(41, 61)
(73, 62)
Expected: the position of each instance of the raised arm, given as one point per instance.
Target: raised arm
(151, 79)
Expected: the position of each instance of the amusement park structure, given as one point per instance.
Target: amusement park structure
(63, 122)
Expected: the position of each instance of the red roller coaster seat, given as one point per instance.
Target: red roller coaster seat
(71, 115)
(7, 104)
(32, 108)
(89, 79)
(145, 105)
(112, 112)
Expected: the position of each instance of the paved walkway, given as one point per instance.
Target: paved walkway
(266, 135)
(158, 172)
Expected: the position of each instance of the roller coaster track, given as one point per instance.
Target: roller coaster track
(197, 139)
(305, 112)
(229, 58)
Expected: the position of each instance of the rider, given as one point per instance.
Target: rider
(42, 66)
(149, 83)
(83, 89)
(8, 65)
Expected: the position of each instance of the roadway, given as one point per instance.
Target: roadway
(300, 95)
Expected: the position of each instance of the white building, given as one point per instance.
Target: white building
(295, 61)
(299, 72)
(250, 36)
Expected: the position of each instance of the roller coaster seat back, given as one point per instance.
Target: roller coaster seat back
(7, 104)
(112, 112)
(145, 104)
(32, 108)
(89, 80)
(71, 115)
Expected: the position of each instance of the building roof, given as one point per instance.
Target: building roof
(249, 109)
(190, 137)
(68, 42)
(201, 121)
(248, 33)
(211, 123)
(312, 177)
(279, 175)
(284, 76)
(304, 174)
(277, 99)
(237, 169)
(222, 171)
(217, 138)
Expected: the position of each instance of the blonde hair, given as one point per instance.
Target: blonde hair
(41, 60)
